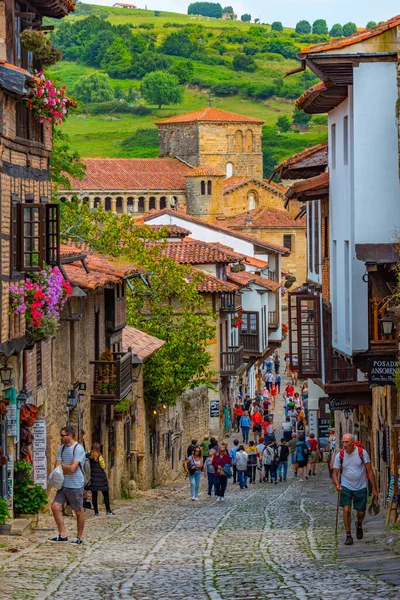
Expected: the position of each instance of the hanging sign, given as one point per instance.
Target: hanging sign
(39, 453)
(335, 404)
(382, 370)
(214, 408)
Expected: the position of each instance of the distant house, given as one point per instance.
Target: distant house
(228, 16)
(121, 5)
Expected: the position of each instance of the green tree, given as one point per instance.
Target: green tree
(242, 62)
(336, 31)
(371, 24)
(229, 10)
(118, 92)
(277, 26)
(283, 123)
(161, 88)
(183, 69)
(300, 117)
(349, 29)
(94, 88)
(245, 17)
(320, 27)
(179, 44)
(64, 163)
(207, 9)
(184, 360)
(303, 27)
(117, 57)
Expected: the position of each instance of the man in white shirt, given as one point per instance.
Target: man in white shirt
(355, 467)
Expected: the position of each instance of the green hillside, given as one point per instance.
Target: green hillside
(201, 52)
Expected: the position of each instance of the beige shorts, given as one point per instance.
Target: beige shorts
(314, 457)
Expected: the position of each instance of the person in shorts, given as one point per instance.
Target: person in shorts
(355, 465)
(71, 456)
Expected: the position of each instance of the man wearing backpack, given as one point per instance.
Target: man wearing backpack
(355, 467)
(72, 457)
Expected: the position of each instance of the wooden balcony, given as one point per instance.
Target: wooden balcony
(112, 380)
(378, 341)
(250, 343)
(232, 362)
(273, 319)
(115, 308)
(230, 303)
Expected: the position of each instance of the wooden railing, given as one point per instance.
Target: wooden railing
(231, 303)
(377, 311)
(250, 342)
(232, 361)
(112, 380)
(273, 319)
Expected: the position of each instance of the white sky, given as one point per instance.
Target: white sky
(289, 11)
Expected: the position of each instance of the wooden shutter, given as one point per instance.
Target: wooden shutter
(31, 239)
(14, 246)
(52, 234)
(305, 334)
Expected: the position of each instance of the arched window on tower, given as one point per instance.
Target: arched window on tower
(130, 205)
(163, 202)
(203, 188)
(119, 205)
(141, 204)
(107, 204)
(63, 199)
(252, 199)
(97, 202)
(85, 200)
(249, 141)
(209, 187)
(238, 142)
(152, 203)
(229, 169)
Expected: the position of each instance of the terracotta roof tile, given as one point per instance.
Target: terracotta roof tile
(224, 228)
(170, 230)
(315, 90)
(132, 174)
(211, 115)
(99, 262)
(205, 171)
(256, 262)
(194, 252)
(213, 285)
(233, 183)
(261, 218)
(244, 278)
(320, 152)
(88, 281)
(357, 37)
(142, 344)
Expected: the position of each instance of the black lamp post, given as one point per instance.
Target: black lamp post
(137, 363)
(78, 297)
(387, 325)
(347, 412)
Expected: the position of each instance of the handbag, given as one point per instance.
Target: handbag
(191, 467)
(227, 470)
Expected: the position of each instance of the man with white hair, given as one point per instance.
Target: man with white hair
(355, 467)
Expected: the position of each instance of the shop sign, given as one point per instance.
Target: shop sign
(313, 421)
(382, 370)
(335, 404)
(214, 408)
(39, 453)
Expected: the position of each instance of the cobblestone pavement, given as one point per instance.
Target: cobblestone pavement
(267, 542)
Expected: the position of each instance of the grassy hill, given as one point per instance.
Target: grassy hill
(212, 45)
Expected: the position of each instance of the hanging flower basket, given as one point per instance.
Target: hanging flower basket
(41, 47)
(49, 103)
(237, 320)
(41, 298)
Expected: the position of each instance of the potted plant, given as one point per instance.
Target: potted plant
(41, 47)
(22, 470)
(29, 499)
(121, 409)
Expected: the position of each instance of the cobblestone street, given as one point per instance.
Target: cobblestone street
(265, 542)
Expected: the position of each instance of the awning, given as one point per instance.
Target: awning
(314, 188)
(377, 254)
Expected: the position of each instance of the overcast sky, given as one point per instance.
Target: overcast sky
(290, 11)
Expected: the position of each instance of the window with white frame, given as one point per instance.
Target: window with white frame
(314, 239)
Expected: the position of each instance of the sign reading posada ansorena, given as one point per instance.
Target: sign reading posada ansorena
(382, 370)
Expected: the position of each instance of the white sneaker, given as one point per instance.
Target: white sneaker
(219, 499)
(222, 499)
(195, 498)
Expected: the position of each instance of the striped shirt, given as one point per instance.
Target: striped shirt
(67, 455)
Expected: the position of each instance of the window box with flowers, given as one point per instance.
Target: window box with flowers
(237, 320)
(41, 298)
(49, 103)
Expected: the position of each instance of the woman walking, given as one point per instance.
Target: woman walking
(241, 460)
(193, 467)
(314, 458)
(98, 480)
(252, 453)
(245, 426)
(209, 472)
(220, 460)
(302, 452)
(267, 457)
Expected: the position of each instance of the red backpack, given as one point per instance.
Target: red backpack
(360, 449)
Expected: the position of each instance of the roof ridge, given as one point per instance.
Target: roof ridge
(213, 114)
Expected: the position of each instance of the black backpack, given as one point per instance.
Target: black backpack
(305, 451)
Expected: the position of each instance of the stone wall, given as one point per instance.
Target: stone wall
(239, 200)
(205, 206)
(180, 141)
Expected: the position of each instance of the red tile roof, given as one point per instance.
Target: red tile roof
(205, 171)
(308, 95)
(169, 230)
(142, 344)
(357, 37)
(54, 8)
(99, 262)
(213, 285)
(88, 281)
(132, 174)
(194, 252)
(234, 183)
(244, 278)
(261, 218)
(223, 228)
(210, 115)
(320, 149)
(309, 189)
(256, 262)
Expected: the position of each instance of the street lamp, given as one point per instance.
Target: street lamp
(22, 399)
(6, 373)
(77, 296)
(387, 325)
(347, 412)
(137, 363)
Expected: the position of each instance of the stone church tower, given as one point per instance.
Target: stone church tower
(204, 193)
(228, 142)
